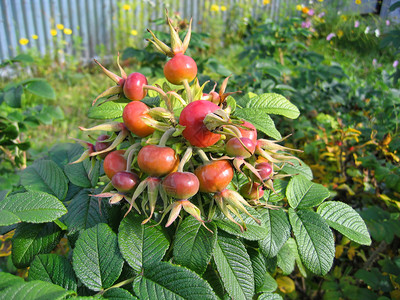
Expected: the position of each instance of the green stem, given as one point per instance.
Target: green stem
(131, 151)
(119, 284)
(185, 158)
(188, 90)
(166, 136)
(61, 224)
(202, 155)
(162, 93)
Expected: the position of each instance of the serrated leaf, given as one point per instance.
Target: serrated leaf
(269, 296)
(295, 168)
(35, 290)
(108, 110)
(33, 207)
(118, 294)
(194, 244)
(303, 193)
(314, 240)
(7, 280)
(262, 279)
(41, 88)
(84, 212)
(141, 245)
(234, 266)
(8, 218)
(278, 231)
(286, 259)
(45, 176)
(253, 232)
(30, 240)
(279, 193)
(260, 119)
(346, 220)
(64, 153)
(293, 246)
(166, 281)
(55, 269)
(83, 174)
(274, 104)
(96, 259)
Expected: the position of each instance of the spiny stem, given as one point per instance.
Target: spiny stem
(166, 136)
(188, 90)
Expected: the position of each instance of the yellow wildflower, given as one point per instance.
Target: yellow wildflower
(134, 32)
(320, 0)
(60, 26)
(34, 36)
(343, 17)
(265, 2)
(358, 2)
(223, 8)
(126, 7)
(53, 32)
(67, 31)
(23, 41)
(214, 7)
(299, 7)
(340, 33)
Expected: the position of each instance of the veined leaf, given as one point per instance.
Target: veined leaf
(279, 193)
(293, 246)
(346, 220)
(278, 231)
(45, 176)
(260, 119)
(303, 193)
(118, 294)
(7, 280)
(64, 153)
(84, 174)
(96, 259)
(314, 240)
(8, 218)
(37, 290)
(30, 240)
(274, 104)
(269, 296)
(286, 259)
(295, 168)
(108, 110)
(194, 244)
(32, 207)
(264, 282)
(55, 269)
(253, 232)
(141, 245)
(234, 266)
(163, 280)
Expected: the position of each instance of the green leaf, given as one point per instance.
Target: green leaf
(55, 269)
(84, 212)
(253, 232)
(118, 294)
(269, 296)
(12, 96)
(30, 240)
(234, 266)
(41, 88)
(260, 119)
(194, 244)
(33, 207)
(141, 245)
(96, 259)
(7, 280)
(275, 104)
(279, 193)
(314, 240)
(303, 193)
(84, 174)
(166, 281)
(293, 246)
(286, 259)
(346, 220)
(264, 282)
(64, 153)
(45, 176)
(278, 231)
(295, 168)
(8, 218)
(35, 290)
(108, 110)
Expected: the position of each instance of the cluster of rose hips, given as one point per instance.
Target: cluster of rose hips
(185, 154)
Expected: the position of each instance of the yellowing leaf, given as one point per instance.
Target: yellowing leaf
(285, 284)
(338, 251)
(351, 253)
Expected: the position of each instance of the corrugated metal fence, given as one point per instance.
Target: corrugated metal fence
(88, 28)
